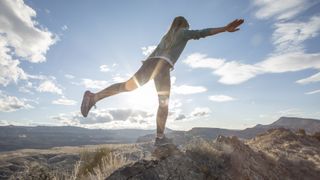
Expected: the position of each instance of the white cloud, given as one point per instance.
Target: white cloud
(289, 55)
(104, 68)
(64, 27)
(313, 92)
(221, 98)
(20, 38)
(180, 117)
(200, 112)
(9, 68)
(173, 80)
(290, 62)
(12, 103)
(198, 60)
(40, 77)
(49, 86)
(118, 79)
(175, 103)
(26, 88)
(186, 89)
(231, 72)
(148, 50)
(67, 119)
(235, 73)
(197, 112)
(284, 9)
(288, 36)
(22, 33)
(311, 79)
(69, 76)
(64, 101)
(4, 123)
(118, 118)
(94, 84)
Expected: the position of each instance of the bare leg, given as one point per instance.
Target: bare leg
(115, 89)
(163, 85)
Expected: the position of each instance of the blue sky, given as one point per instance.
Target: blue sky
(52, 51)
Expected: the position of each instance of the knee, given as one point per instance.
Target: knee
(163, 101)
(129, 85)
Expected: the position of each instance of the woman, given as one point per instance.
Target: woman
(157, 67)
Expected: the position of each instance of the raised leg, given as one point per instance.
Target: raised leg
(149, 70)
(116, 89)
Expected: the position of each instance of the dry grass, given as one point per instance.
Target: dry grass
(98, 164)
(316, 135)
(94, 164)
(209, 155)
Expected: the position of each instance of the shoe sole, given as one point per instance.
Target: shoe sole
(85, 104)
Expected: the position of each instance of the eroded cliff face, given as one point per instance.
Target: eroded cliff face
(276, 154)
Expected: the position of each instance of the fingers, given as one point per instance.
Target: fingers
(237, 22)
(234, 30)
(240, 21)
(233, 26)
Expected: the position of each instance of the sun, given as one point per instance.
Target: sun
(143, 98)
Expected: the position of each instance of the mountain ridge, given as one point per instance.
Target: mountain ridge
(293, 123)
(42, 137)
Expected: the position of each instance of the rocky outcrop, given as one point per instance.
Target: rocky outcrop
(231, 158)
(170, 163)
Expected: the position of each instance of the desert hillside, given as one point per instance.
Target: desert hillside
(276, 154)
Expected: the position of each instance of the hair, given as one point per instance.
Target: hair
(178, 23)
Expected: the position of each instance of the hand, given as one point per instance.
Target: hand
(233, 26)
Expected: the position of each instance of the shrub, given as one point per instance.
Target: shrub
(301, 132)
(210, 157)
(100, 163)
(316, 135)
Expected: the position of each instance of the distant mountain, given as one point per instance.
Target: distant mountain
(22, 137)
(293, 123)
(309, 125)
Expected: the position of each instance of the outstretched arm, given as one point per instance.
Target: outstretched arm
(197, 34)
(231, 27)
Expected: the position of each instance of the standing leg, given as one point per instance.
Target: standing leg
(163, 85)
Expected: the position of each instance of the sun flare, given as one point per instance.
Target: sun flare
(144, 98)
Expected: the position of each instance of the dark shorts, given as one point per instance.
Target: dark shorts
(156, 69)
